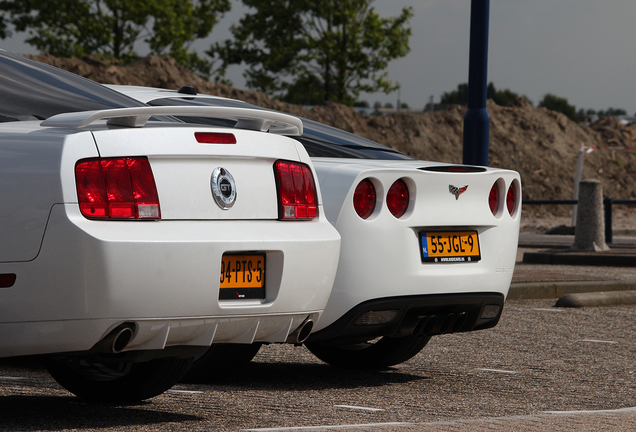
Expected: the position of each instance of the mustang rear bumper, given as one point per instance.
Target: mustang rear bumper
(415, 315)
(161, 279)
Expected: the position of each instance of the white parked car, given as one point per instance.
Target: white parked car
(130, 242)
(427, 248)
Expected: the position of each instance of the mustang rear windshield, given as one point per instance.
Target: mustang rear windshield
(318, 139)
(30, 90)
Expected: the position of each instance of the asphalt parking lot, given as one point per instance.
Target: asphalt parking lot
(541, 368)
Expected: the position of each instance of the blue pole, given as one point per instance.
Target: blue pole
(476, 120)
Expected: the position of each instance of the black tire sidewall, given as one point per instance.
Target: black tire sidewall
(384, 353)
(144, 380)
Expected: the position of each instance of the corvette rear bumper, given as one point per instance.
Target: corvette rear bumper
(408, 315)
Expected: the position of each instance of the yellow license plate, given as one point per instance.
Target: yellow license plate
(242, 276)
(450, 246)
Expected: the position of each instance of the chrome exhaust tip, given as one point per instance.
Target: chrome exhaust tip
(115, 341)
(301, 334)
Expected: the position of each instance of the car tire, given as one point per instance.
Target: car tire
(99, 379)
(382, 353)
(219, 360)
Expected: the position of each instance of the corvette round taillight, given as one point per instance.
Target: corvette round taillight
(364, 199)
(397, 199)
(511, 199)
(493, 199)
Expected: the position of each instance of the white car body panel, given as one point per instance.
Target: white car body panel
(146, 94)
(392, 245)
(77, 279)
(252, 119)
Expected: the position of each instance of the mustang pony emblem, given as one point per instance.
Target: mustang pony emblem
(457, 191)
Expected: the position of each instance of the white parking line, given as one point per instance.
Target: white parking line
(597, 341)
(11, 378)
(496, 371)
(460, 422)
(331, 427)
(588, 412)
(548, 310)
(353, 407)
(185, 391)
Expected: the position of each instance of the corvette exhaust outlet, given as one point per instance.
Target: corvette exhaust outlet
(448, 323)
(425, 326)
(301, 334)
(460, 321)
(115, 341)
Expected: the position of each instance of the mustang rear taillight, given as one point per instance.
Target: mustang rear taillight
(397, 199)
(493, 199)
(117, 188)
(364, 199)
(511, 199)
(297, 191)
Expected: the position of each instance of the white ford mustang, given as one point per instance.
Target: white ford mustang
(427, 248)
(129, 243)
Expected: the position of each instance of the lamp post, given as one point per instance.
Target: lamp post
(476, 120)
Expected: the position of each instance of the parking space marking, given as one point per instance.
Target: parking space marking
(588, 412)
(185, 391)
(331, 427)
(458, 422)
(496, 370)
(597, 341)
(11, 378)
(353, 407)
(548, 310)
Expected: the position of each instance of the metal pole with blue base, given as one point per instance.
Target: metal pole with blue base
(476, 120)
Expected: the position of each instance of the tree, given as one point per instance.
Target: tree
(460, 96)
(74, 28)
(502, 97)
(558, 104)
(611, 112)
(335, 48)
(456, 97)
(4, 30)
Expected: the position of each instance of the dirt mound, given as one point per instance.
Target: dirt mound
(542, 145)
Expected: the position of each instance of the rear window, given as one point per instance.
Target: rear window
(30, 90)
(321, 140)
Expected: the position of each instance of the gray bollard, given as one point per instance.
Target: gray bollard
(589, 234)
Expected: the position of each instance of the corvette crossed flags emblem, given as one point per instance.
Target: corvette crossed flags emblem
(457, 191)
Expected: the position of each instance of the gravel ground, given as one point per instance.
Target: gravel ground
(537, 359)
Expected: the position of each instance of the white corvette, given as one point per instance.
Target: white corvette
(129, 245)
(427, 248)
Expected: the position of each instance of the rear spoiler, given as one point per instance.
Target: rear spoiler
(247, 118)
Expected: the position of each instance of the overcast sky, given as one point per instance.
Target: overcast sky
(582, 50)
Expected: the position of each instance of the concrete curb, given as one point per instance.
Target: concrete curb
(551, 290)
(560, 257)
(597, 299)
